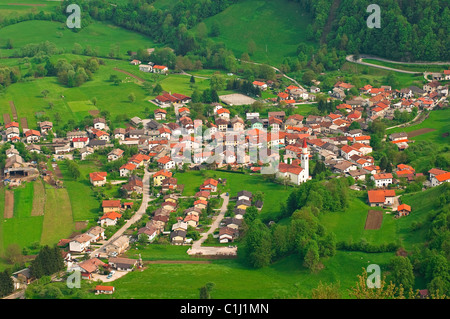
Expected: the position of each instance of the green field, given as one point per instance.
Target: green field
(276, 28)
(85, 206)
(75, 103)
(58, 220)
(98, 36)
(8, 9)
(348, 225)
(286, 278)
(438, 120)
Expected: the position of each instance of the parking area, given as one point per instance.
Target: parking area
(118, 274)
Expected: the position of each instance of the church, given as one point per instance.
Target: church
(295, 173)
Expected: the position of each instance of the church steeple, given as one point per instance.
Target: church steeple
(304, 157)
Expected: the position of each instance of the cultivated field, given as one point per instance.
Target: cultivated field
(374, 219)
(420, 132)
(9, 204)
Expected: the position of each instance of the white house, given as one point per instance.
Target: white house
(80, 243)
(382, 179)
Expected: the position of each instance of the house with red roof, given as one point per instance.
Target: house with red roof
(160, 114)
(127, 169)
(162, 69)
(446, 74)
(32, 136)
(403, 210)
(438, 179)
(166, 163)
(100, 289)
(364, 139)
(111, 205)
(109, 219)
(223, 113)
(381, 197)
(261, 85)
(348, 151)
(98, 178)
(209, 185)
(80, 142)
(283, 95)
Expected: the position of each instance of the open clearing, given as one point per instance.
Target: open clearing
(374, 219)
(236, 99)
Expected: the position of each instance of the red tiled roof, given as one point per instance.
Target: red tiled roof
(443, 177)
(404, 207)
(97, 176)
(111, 203)
(111, 215)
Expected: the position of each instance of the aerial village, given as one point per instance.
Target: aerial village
(151, 172)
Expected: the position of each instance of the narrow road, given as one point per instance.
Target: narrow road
(349, 58)
(195, 76)
(276, 70)
(215, 223)
(136, 217)
(130, 74)
(197, 248)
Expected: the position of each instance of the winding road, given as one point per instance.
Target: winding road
(350, 58)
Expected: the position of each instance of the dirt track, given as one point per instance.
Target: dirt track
(6, 118)
(13, 110)
(128, 73)
(420, 132)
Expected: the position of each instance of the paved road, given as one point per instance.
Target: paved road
(136, 217)
(215, 223)
(349, 58)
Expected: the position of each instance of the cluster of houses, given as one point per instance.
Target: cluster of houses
(150, 67)
(229, 227)
(192, 214)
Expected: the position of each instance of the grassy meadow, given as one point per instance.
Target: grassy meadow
(287, 278)
(438, 120)
(100, 37)
(275, 27)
